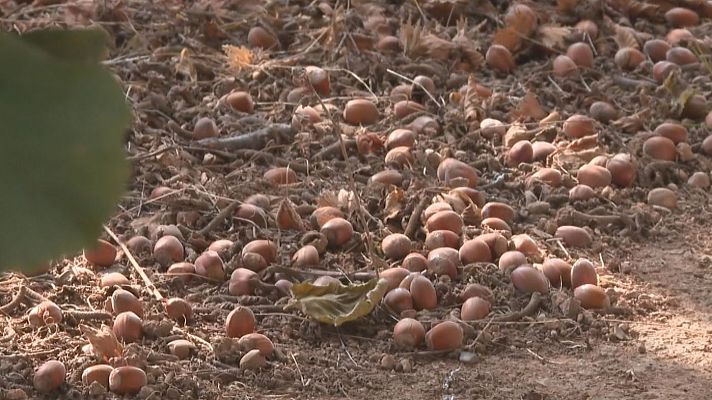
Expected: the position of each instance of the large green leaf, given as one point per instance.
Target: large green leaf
(335, 304)
(62, 164)
(84, 45)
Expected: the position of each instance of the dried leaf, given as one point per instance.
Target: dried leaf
(335, 304)
(509, 38)
(682, 99)
(583, 143)
(467, 46)
(474, 112)
(571, 160)
(553, 36)
(395, 200)
(103, 342)
(625, 37)
(185, 65)
(288, 218)
(529, 108)
(347, 200)
(411, 35)
(632, 123)
(238, 57)
(437, 47)
(327, 199)
(417, 42)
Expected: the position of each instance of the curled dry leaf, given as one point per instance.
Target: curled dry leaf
(625, 37)
(103, 342)
(466, 46)
(395, 200)
(529, 109)
(417, 42)
(553, 36)
(474, 112)
(335, 303)
(288, 218)
(185, 65)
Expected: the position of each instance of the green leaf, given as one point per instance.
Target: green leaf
(335, 304)
(82, 45)
(62, 164)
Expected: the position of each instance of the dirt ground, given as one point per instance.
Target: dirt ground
(655, 342)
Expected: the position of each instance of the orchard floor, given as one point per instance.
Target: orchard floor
(655, 343)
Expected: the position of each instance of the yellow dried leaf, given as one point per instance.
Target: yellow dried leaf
(185, 65)
(238, 57)
(335, 304)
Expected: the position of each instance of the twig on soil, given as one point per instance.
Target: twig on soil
(220, 217)
(134, 264)
(629, 83)
(346, 349)
(479, 335)
(390, 71)
(79, 315)
(414, 220)
(299, 370)
(8, 308)
(358, 78)
(299, 273)
(270, 158)
(579, 218)
(281, 133)
(32, 295)
(334, 149)
(529, 310)
(195, 338)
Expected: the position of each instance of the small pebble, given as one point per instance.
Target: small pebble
(406, 365)
(641, 348)
(700, 180)
(467, 357)
(388, 362)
